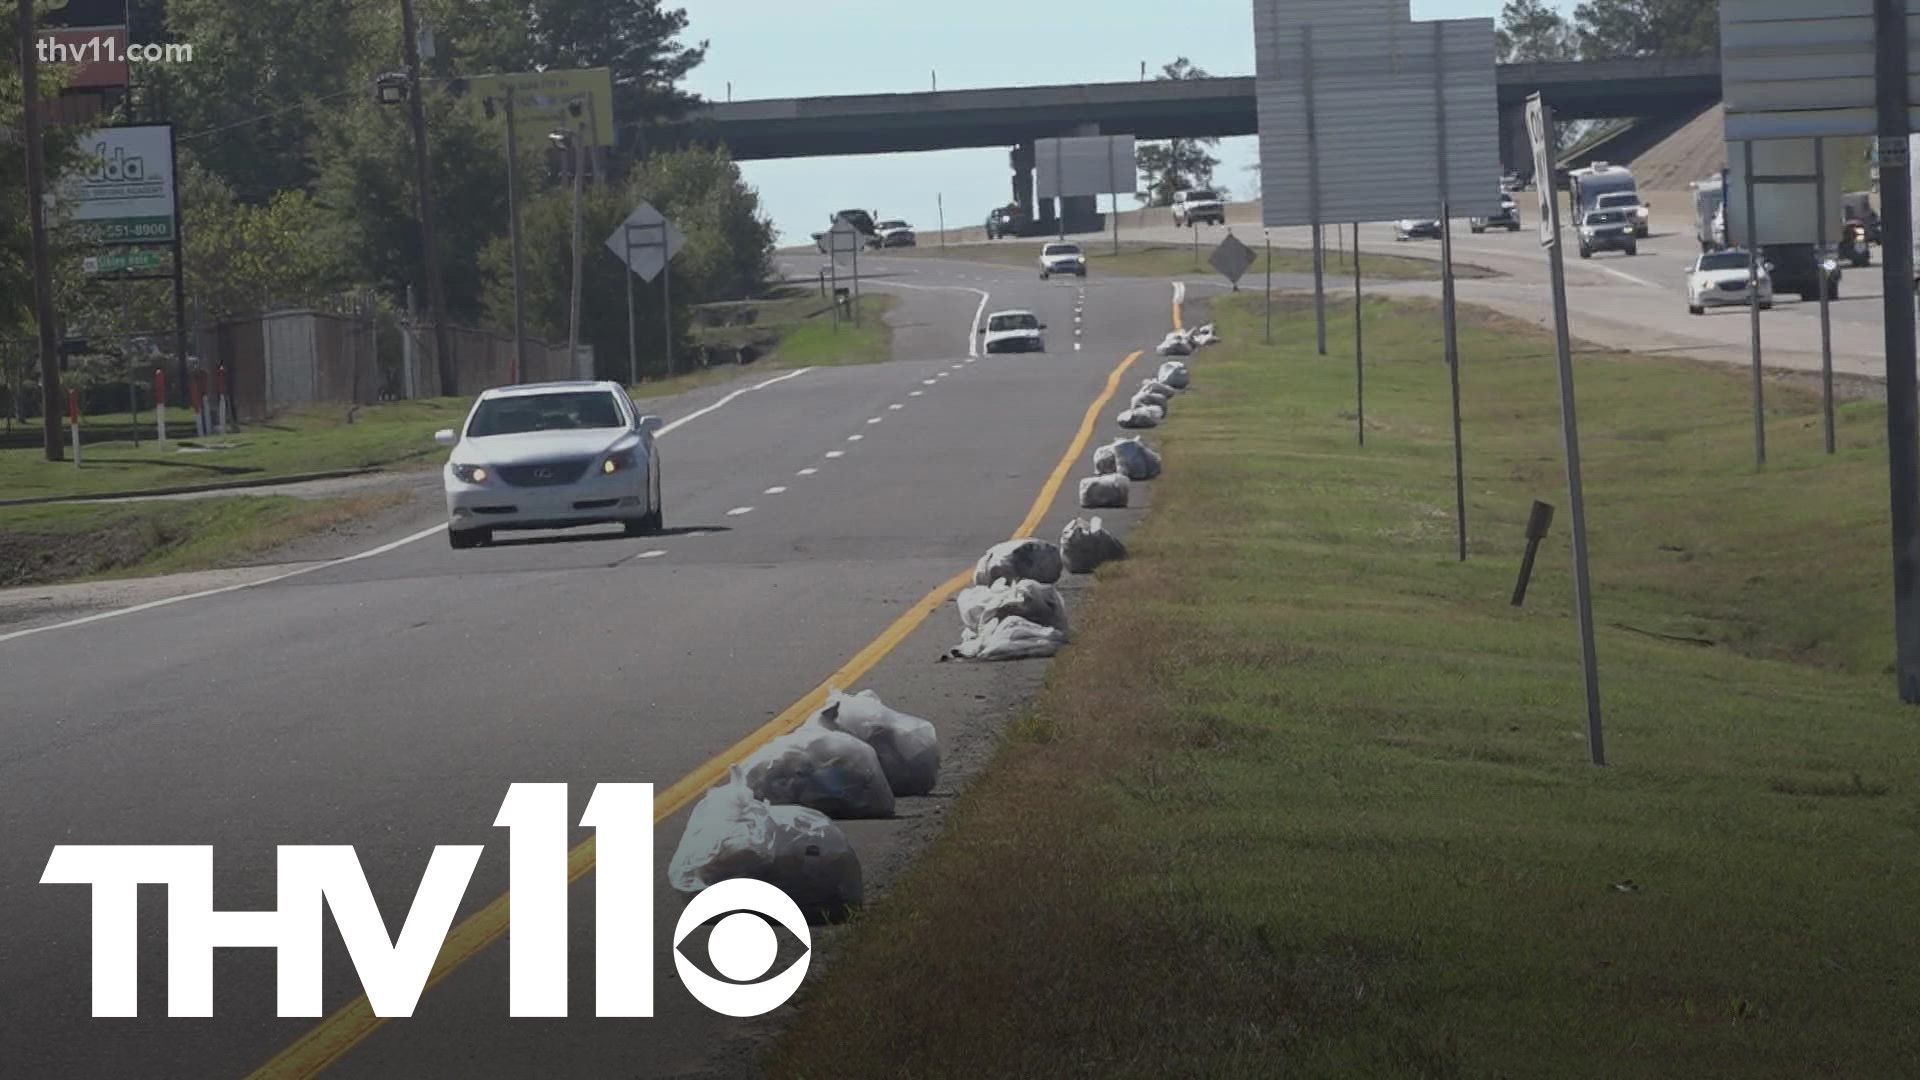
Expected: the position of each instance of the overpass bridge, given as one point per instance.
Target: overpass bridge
(1159, 109)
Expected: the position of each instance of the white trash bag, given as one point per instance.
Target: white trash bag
(1086, 544)
(1011, 638)
(907, 746)
(1031, 600)
(1175, 374)
(1141, 416)
(812, 862)
(729, 835)
(829, 771)
(1205, 335)
(1176, 343)
(1029, 559)
(1103, 492)
(1131, 458)
(1158, 387)
(1148, 397)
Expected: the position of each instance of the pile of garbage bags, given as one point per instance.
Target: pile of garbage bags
(1142, 416)
(1017, 560)
(1131, 458)
(1107, 492)
(772, 818)
(1013, 611)
(1174, 375)
(733, 833)
(1176, 343)
(1086, 544)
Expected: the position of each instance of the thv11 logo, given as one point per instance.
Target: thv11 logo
(394, 969)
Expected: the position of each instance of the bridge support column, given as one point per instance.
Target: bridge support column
(1516, 148)
(1021, 159)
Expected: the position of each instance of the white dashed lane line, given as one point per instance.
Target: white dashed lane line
(836, 453)
(915, 393)
(855, 438)
(738, 510)
(895, 408)
(926, 382)
(776, 490)
(873, 419)
(808, 471)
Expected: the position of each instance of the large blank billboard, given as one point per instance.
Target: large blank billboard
(1377, 83)
(1084, 165)
(1785, 213)
(1804, 67)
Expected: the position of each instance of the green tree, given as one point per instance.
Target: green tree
(637, 40)
(727, 253)
(1177, 164)
(1531, 31)
(1611, 29)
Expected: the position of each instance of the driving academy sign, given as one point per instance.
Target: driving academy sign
(121, 192)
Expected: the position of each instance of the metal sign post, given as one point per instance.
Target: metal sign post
(1753, 312)
(1313, 192)
(1449, 326)
(1891, 59)
(1359, 363)
(1269, 297)
(647, 242)
(1820, 255)
(1540, 129)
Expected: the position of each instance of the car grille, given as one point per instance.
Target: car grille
(546, 473)
(1733, 286)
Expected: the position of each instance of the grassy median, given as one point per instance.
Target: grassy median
(1172, 260)
(1309, 798)
(41, 545)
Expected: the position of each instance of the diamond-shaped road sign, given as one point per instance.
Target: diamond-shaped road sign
(1231, 258)
(645, 241)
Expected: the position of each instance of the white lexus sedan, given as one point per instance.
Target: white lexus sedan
(551, 456)
(1062, 258)
(1012, 331)
(1719, 279)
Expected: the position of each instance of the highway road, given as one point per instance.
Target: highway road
(388, 701)
(1635, 303)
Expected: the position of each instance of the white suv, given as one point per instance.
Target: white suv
(551, 456)
(1062, 257)
(1192, 207)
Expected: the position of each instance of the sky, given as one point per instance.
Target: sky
(779, 48)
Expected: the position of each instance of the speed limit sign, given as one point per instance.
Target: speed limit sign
(1540, 133)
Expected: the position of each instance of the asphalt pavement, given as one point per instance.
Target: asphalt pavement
(387, 702)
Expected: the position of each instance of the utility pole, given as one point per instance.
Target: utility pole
(573, 319)
(423, 180)
(513, 232)
(50, 403)
(1896, 259)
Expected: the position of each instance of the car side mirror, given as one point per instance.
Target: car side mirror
(980, 330)
(650, 423)
(446, 437)
(1043, 326)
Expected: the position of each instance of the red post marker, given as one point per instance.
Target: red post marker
(73, 407)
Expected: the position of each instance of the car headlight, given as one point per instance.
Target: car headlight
(620, 462)
(470, 474)
(1081, 259)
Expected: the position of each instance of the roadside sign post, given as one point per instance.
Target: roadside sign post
(1268, 239)
(1449, 326)
(646, 242)
(1313, 190)
(160, 407)
(1892, 126)
(940, 205)
(1826, 322)
(73, 421)
(1359, 363)
(1753, 312)
(1540, 130)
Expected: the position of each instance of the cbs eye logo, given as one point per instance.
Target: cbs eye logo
(742, 947)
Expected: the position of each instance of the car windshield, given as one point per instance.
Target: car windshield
(569, 411)
(1724, 260)
(1606, 217)
(893, 224)
(1018, 320)
(1202, 196)
(1060, 249)
(1624, 198)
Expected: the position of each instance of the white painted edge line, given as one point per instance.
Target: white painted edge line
(697, 534)
(394, 545)
(808, 471)
(654, 554)
(738, 510)
(836, 453)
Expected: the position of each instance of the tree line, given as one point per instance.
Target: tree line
(1533, 30)
(297, 185)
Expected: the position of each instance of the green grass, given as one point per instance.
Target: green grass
(61, 542)
(1309, 798)
(1170, 260)
(321, 439)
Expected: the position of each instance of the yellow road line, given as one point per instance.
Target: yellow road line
(350, 1025)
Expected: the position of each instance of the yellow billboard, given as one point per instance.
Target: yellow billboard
(544, 101)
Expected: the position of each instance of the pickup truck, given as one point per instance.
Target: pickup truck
(1192, 207)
